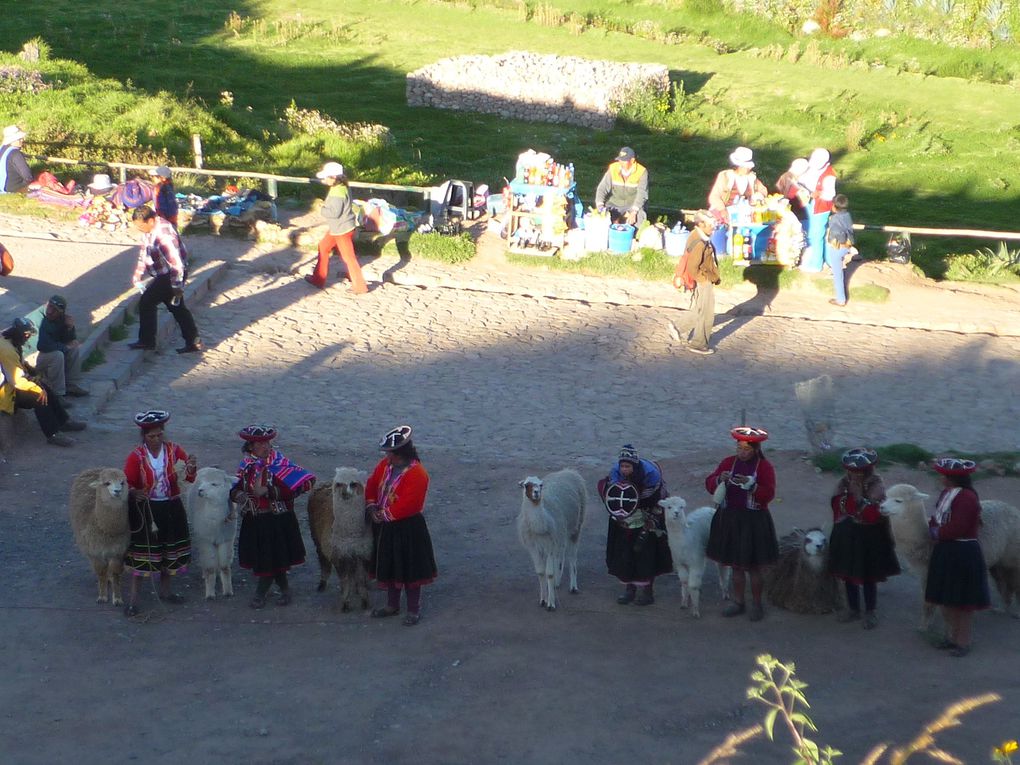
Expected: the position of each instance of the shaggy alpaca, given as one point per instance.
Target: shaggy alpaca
(342, 534)
(99, 519)
(688, 538)
(213, 528)
(999, 536)
(549, 526)
(800, 581)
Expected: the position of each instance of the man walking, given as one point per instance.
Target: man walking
(161, 257)
(57, 363)
(703, 267)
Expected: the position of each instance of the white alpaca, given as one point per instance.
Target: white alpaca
(342, 534)
(688, 540)
(549, 526)
(213, 528)
(999, 536)
(98, 507)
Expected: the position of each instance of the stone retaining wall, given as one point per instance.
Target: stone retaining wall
(533, 86)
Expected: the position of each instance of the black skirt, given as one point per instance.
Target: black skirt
(159, 537)
(744, 539)
(860, 553)
(958, 576)
(270, 543)
(402, 553)
(634, 555)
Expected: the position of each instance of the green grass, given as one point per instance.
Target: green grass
(118, 332)
(93, 360)
(913, 455)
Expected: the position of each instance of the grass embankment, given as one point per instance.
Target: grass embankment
(996, 463)
(910, 149)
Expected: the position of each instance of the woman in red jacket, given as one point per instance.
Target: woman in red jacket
(957, 575)
(742, 534)
(402, 556)
(159, 525)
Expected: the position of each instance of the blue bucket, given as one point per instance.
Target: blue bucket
(621, 237)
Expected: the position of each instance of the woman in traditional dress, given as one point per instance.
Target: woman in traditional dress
(402, 556)
(957, 574)
(861, 547)
(159, 525)
(637, 549)
(742, 534)
(270, 539)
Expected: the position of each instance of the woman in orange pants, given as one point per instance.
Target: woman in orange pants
(339, 214)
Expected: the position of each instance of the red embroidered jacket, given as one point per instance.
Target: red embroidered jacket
(141, 476)
(402, 498)
(764, 489)
(964, 518)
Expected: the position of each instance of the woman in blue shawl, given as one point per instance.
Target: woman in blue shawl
(270, 539)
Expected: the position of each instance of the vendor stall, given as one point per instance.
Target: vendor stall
(758, 233)
(539, 199)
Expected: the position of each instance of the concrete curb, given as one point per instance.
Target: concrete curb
(122, 363)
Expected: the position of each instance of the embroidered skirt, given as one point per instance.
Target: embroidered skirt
(743, 539)
(270, 543)
(159, 537)
(402, 553)
(636, 556)
(860, 553)
(958, 576)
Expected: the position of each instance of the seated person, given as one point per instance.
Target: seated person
(17, 391)
(623, 190)
(57, 363)
(15, 174)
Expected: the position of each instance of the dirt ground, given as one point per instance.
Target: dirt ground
(486, 676)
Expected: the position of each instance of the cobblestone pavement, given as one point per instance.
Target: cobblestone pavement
(513, 377)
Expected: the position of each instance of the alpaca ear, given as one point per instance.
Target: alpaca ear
(521, 484)
(922, 496)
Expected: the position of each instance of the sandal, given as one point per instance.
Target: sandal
(257, 602)
(411, 619)
(382, 613)
(130, 610)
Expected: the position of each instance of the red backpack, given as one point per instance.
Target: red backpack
(682, 277)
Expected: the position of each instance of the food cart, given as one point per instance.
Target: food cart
(759, 233)
(538, 202)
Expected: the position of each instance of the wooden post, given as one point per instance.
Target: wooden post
(123, 174)
(196, 143)
(271, 186)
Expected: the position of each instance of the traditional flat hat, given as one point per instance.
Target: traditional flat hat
(629, 454)
(396, 438)
(257, 433)
(152, 418)
(859, 459)
(749, 435)
(954, 466)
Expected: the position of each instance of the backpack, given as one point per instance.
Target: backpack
(683, 279)
(132, 194)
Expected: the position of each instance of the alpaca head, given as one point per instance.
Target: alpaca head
(112, 481)
(532, 488)
(212, 482)
(348, 483)
(902, 498)
(815, 543)
(675, 509)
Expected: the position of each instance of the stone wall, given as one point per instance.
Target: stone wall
(532, 86)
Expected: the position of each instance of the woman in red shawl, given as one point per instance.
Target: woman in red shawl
(159, 525)
(402, 556)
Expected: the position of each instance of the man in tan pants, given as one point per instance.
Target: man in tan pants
(702, 265)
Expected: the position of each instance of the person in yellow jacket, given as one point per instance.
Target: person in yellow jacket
(17, 391)
(623, 190)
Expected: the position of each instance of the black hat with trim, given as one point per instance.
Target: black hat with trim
(399, 436)
(152, 418)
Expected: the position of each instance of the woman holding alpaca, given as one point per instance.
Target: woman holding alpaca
(338, 211)
(160, 542)
(957, 575)
(861, 547)
(269, 542)
(743, 535)
(402, 556)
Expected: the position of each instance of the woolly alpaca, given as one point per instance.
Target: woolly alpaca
(688, 538)
(999, 536)
(213, 527)
(99, 519)
(549, 526)
(342, 534)
(800, 581)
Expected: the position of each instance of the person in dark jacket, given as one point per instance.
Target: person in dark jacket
(15, 175)
(338, 211)
(58, 346)
(165, 194)
(839, 238)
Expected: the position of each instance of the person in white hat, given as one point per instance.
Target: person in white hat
(338, 210)
(101, 185)
(820, 182)
(738, 182)
(15, 175)
(789, 186)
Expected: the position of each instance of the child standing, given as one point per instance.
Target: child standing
(839, 238)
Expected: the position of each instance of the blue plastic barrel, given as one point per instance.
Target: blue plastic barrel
(621, 237)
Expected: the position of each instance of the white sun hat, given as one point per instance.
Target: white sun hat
(330, 170)
(819, 159)
(742, 157)
(13, 133)
(101, 183)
